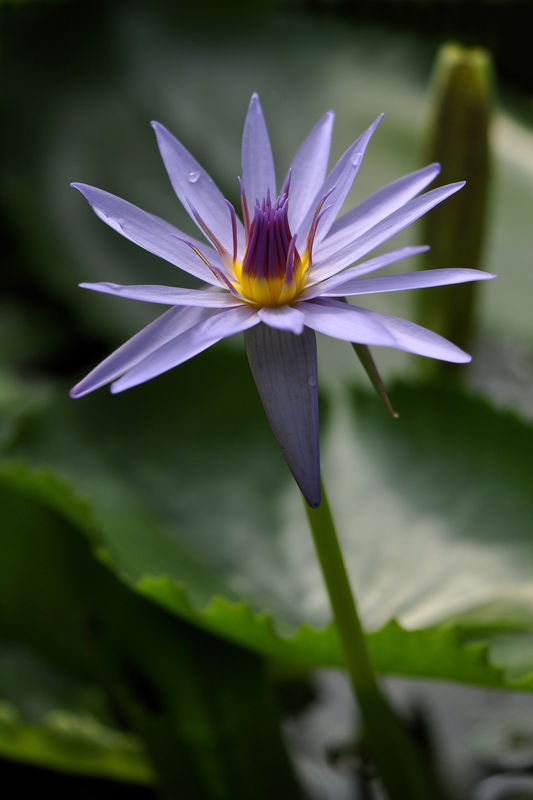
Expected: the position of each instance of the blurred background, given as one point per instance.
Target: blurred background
(82, 80)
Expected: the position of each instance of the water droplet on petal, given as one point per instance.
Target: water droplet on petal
(312, 381)
(356, 159)
(192, 177)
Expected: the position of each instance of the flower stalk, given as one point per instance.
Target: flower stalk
(400, 765)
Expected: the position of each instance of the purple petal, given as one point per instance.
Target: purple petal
(342, 321)
(258, 177)
(188, 344)
(285, 318)
(167, 295)
(388, 227)
(161, 330)
(325, 287)
(195, 188)
(415, 339)
(337, 185)
(284, 367)
(308, 169)
(376, 207)
(150, 232)
(408, 280)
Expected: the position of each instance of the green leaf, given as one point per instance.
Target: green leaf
(72, 743)
(81, 655)
(190, 503)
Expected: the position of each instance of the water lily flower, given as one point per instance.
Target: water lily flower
(280, 274)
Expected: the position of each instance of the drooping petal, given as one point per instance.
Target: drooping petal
(408, 280)
(284, 318)
(318, 288)
(258, 176)
(167, 295)
(199, 337)
(308, 169)
(284, 367)
(337, 185)
(150, 232)
(411, 211)
(161, 330)
(376, 207)
(415, 339)
(342, 321)
(196, 190)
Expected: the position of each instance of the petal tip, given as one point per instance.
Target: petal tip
(313, 500)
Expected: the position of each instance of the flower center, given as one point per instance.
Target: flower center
(272, 272)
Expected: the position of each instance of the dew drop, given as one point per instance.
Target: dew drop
(356, 159)
(312, 381)
(192, 177)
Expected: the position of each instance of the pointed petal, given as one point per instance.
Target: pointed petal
(342, 321)
(388, 227)
(415, 339)
(308, 169)
(161, 330)
(199, 337)
(258, 175)
(167, 295)
(194, 187)
(150, 232)
(337, 185)
(376, 207)
(316, 289)
(408, 280)
(284, 367)
(285, 318)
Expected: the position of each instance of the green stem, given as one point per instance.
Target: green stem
(402, 770)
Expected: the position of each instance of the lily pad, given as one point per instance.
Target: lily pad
(191, 504)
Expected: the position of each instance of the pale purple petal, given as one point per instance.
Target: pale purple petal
(285, 318)
(408, 280)
(195, 339)
(337, 185)
(415, 339)
(284, 367)
(161, 330)
(308, 169)
(150, 232)
(342, 321)
(196, 189)
(167, 295)
(388, 227)
(376, 207)
(258, 177)
(316, 289)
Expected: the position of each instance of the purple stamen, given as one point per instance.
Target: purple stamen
(287, 184)
(245, 213)
(217, 272)
(289, 269)
(208, 232)
(270, 249)
(233, 216)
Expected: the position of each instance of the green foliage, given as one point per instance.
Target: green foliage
(190, 504)
(96, 680)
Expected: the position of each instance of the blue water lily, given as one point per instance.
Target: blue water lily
(279, 274)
